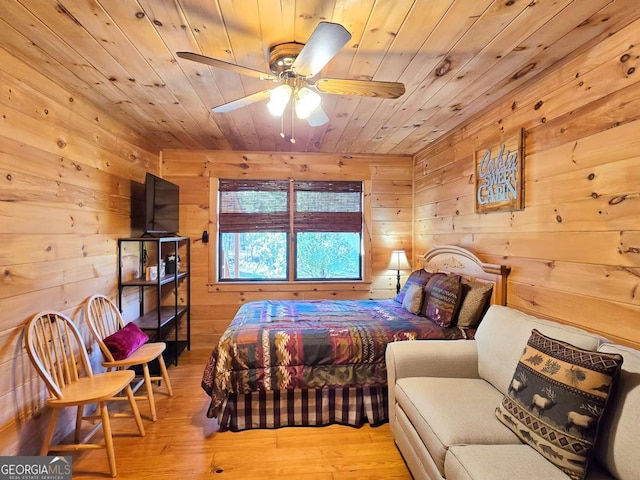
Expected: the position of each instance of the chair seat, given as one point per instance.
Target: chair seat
(102, 386)
(144, 354)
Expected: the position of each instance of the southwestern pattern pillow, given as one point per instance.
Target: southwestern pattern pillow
(412, 302)
(443, 295)
(475, 296)
(420, 277)
(556, 400)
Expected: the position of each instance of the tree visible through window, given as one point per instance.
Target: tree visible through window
(262, 221)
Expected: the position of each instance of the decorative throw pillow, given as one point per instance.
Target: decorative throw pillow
(412, 302)
(125, 341)
(475, 296)
(443, 293)
(420, 277)
(556, 399)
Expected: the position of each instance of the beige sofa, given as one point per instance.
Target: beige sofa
(443, 397)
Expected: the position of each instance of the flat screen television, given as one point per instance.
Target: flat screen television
(162, 206)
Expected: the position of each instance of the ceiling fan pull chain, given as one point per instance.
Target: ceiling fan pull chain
(293, 136)
(282, 135)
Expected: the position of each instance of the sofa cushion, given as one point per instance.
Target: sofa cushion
(618, 441)
(497, 358)
(475, 296)
(556, 399)
(443, 294)
(450, 411)
(498, 462)
(412, 302)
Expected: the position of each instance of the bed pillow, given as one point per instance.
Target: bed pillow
(125, 341)
(412, 302)
(442, 298)
(420, 277)
(556, 399)
(475, 296)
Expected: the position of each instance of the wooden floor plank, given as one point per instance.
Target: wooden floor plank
(184, 443)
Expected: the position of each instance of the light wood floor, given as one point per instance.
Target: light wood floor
(184, 443)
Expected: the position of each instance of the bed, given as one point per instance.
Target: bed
(318, 362)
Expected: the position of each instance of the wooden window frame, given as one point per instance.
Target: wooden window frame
(259, 284)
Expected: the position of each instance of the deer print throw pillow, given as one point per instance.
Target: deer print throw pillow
(556, 399)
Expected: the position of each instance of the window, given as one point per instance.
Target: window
(289, 230)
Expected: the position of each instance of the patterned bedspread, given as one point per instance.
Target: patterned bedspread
(281, 345)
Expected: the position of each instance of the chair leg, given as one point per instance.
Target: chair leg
(149, 387)
(134, 409)
(49, 433)
(108, 439)
(165, 375)
(79, 417)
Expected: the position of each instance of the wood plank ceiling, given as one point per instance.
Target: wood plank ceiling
(454, 56)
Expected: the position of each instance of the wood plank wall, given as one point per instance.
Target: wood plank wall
(214, 305)
(575, 249)
(66, 171)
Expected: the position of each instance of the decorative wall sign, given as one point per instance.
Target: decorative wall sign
(499, 176)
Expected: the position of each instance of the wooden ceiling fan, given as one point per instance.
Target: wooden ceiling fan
(292, 66)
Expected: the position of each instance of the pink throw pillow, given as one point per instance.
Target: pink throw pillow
(125, 341)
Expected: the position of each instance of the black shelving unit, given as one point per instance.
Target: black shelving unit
(161, 313)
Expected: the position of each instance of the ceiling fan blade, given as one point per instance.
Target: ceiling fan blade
(196, 57)
(366, 88)
(325, 41)
(317, 118)
(241, 102)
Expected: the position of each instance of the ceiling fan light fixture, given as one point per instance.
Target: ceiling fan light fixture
(306, 102)
(278, 100)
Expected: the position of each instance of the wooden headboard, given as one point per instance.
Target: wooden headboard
(453, 259)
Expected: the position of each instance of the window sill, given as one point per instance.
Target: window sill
(257, 286)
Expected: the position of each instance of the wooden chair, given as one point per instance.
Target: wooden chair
(104, 319)
(57, 352)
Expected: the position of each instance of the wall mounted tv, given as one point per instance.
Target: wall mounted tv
(162, 206)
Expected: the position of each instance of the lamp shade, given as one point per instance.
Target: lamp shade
(399, 260)
(306, 102)
(278, 100)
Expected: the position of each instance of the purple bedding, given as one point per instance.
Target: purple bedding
(311, 344)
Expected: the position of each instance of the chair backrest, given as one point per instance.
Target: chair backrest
(56, 349)
(104, 319)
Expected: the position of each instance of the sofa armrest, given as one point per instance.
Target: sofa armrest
(428, 358)
(432, 358)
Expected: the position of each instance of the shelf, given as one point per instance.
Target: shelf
(154, 239)
(151, 321)
(164, 320)
(142, 282)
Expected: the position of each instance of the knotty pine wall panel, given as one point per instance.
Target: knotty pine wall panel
(214, 305)
(65, 189)
(575, 248)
